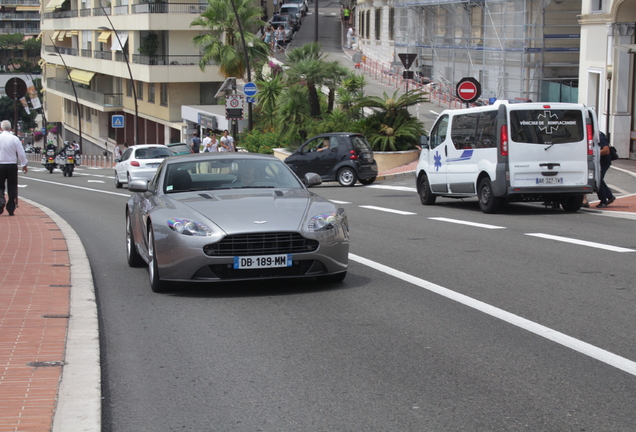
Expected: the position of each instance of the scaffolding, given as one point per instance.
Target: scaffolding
(516, 49)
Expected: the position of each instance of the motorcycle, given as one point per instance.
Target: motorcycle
(48, 160)
(68, 162)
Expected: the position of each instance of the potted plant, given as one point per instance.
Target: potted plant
(149, 46)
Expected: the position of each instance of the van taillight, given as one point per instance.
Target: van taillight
(590, 140)
(354, 155)
(503, 135)
(546, 106)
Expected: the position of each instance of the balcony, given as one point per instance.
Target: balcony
(141, 8)
(105, 100)
(163, 60)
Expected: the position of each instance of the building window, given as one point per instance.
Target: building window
(164, 94)
(367, 30)
(151, 92)
(129, 89)
(68, 106)
(88, 114)
(378, 23)
(391, 23)
(140, 90)
(597, 5)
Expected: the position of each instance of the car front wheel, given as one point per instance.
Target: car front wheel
(426, 196)
(133, 257)
(156, 284)
(347, 177)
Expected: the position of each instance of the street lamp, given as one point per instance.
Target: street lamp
(132, 81)
(68, 72)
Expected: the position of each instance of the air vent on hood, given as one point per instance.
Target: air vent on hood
(206, 196)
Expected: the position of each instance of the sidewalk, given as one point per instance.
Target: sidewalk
(49, 340)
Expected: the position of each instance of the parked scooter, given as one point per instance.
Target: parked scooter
(48, 158)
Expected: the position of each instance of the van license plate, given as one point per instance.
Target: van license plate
(549, 180)
(263, 261)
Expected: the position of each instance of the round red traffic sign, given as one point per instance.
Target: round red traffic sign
(468, 89)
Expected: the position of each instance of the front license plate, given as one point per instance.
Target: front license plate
(549, 180)
(263, 261)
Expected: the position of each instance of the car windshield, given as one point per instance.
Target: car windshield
(153, 153)
(228, 173)
(180, 148)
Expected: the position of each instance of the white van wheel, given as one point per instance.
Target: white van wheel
(488, 202)
(572, 204)
(426, 196)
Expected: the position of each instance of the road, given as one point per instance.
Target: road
(448, 320)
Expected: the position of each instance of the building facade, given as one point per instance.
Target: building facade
(162, 71)
(607, 73)
(20, 16)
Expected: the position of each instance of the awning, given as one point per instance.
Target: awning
(82, 77)
(28, 8)
(116, 46)
(40, 35)
(103, 36)
(72, 33)
(55, 34)
(54, 4)
(61, 36)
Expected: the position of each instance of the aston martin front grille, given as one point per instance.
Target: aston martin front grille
(261, 244)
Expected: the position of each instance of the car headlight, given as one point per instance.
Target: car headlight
(189, 227)
(324, 221)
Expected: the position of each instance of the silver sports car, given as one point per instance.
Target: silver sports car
(233, 216)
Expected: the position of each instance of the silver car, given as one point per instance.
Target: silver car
(230, 217)
(140, 162)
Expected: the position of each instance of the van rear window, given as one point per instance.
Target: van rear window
(546, 126)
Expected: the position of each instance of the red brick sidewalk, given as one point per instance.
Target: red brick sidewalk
(35, 284)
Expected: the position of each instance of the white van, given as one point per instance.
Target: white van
(511, 152)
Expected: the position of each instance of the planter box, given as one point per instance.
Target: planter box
(385, 160)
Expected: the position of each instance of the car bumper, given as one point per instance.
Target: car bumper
(181, 261)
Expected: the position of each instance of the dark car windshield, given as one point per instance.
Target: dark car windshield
(228, 173)
(546, 126)
(152, 153)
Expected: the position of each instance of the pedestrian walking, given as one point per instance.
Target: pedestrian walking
(227, 142)
(117, 153)
(195, 142)
(207, 141)
(346, 14)
(350, 36)
(11, 154)
(604, 192)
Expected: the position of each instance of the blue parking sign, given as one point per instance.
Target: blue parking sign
(117, 121)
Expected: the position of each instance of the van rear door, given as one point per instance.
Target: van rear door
(547, 145)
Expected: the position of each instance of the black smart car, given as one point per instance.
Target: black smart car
(342, 157)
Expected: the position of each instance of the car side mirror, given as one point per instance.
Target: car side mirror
(424, 142)
(312, 179)
(138, 186)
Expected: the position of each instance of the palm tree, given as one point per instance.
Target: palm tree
(405, 130)
(293, 112)
(306, 64)
(268, 93)
(222, 44)
(394, 105)
(334, 74)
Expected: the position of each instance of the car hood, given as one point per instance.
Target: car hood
(247, 210)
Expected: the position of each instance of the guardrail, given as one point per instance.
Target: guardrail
(97, 161)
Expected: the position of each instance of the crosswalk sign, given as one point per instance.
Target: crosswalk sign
(117, 121)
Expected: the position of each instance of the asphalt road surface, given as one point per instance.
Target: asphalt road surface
(448, 320)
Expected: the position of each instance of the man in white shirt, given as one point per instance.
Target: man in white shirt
(350, 35)
(227, 142)
(207, 142)
(11, 152)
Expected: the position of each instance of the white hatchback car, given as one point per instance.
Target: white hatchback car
(140, 162)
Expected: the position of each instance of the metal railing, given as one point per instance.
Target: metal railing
(169, 60)
(102, 99)
(140, 8)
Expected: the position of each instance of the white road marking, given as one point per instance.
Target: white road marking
(96, 181)
(461, 222)
(581, 242)
(21, 185)
(399, 188)
(388, 210)
(433, 112)
(339, 202)
(79, 187)
(584, 348)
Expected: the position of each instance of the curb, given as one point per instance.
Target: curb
(79, 399)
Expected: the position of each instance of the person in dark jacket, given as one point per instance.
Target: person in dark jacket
(604, 193)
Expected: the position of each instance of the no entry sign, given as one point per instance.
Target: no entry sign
(468, 89)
